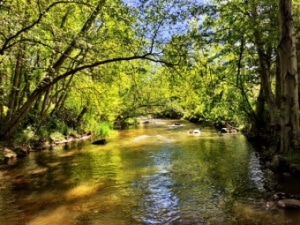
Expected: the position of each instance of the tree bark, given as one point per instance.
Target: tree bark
(289, 109)
(80, 116)
(264, 57)
(16, 83)
(1, 96)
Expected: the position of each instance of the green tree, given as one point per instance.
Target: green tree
(54, 41)
(46, 44)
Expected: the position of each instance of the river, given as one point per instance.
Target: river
(155, 174)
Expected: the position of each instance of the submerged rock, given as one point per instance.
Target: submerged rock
(279, 164)
(226, 130)
(99, 142)
(195, 132)
(7, 155)
(295, 169)
(289, 203)
(281, 195)
(22, 151)
(284, 201)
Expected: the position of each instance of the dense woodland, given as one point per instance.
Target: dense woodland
(73, 66)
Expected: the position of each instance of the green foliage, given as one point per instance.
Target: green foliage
(131, 121)
(57, 136)
(24, 136)
(43, 133)
(212, 70)
(102, 129)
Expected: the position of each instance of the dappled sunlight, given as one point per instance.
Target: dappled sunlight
(38, 171)
(156, 139)
(148, 176)
(100, 204)
(53, 164)
(83, 191)
(67, 182)
(61, 215)
(76, 204)
(35, 202)
(70, 154)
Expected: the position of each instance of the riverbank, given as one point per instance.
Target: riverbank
(11, 151)
(280, 164)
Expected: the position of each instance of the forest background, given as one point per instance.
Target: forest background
(76, 66)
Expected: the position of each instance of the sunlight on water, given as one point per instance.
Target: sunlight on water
(159, 204)
(82, 191)
(157, 174)
(60, 215)
(256, 173)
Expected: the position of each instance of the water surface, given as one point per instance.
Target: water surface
(155, 174)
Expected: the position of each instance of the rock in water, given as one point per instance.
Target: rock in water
(289, 203)
(9, 153)
(99, 142)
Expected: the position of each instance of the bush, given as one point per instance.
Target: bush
(104, 129)
(57, 136)
(25, 135)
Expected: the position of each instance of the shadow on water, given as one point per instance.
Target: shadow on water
(155, 174)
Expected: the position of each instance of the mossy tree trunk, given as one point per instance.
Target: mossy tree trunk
(289, 108)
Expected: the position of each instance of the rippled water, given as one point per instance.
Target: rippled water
(155, 174)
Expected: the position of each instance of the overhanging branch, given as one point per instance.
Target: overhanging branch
(107, 61)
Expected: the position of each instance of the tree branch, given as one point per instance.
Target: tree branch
(9, 42)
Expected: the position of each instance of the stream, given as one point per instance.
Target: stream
(154, 174)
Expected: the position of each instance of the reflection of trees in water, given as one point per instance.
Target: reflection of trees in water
(256, 175)
(159, 204)
(189, 180)
(196, 181)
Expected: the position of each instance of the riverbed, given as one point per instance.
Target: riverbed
(158, 173)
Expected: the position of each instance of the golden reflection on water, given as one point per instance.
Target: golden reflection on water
(146, 176)
(68, 208)
(70, 154)
(61, 215)
(37, 171)
(82, 191)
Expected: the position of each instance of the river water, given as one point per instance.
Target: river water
(156, 174)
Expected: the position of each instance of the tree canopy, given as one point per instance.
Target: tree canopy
(74, 64)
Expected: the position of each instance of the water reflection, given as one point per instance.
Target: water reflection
(159, 204)
(255, 172)
(152, 175)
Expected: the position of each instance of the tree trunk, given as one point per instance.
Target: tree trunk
(80, 116)
(289, 109)
(260, 122)
(16, 83)
(1, 96)
(16, 119)
(13, 122)
(264, 56)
